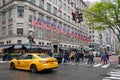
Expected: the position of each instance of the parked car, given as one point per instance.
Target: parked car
(59, 57)
(34, 62)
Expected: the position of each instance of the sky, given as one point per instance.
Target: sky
(91, 0)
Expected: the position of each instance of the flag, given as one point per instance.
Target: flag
(44, 25)
(51, 27)
(68, 32)
(35, 22)
(64, 31)
(75, 34)
(58, 29)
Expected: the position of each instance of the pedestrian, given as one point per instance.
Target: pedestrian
(71, 56)
(77, 57)
(65, 58)
(101, 55)
(50, 53)
(107, 54)
(82, 55)
(90, 58)
(105, 58)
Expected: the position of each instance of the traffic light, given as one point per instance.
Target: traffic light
(77, 16)
(73, 16)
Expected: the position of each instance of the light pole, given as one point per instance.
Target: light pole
(30, 37)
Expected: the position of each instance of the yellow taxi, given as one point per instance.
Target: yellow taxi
(34, 62)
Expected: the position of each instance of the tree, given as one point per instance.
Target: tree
(104, 15)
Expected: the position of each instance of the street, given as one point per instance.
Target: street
(70, 71)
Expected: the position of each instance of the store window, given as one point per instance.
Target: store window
(41, 17)
(10, 13)
(54, 11)
(55, 2)
(31, 14)
(40, 33)
(33, 1)
(20, 29)
(3, 31)
(64, 17)
(64, 7)
(19, 41)
(48, 7)
(9, 30)
(41, 3)
(48, 20)
(20, 10)
(3, 17)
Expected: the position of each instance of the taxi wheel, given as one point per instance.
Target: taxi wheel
(33, 68)
(12, 66)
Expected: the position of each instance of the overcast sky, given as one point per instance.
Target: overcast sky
(91, 0)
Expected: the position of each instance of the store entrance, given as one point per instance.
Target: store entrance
(56, 48)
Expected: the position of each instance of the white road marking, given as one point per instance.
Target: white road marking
(115, 70)
(116, 75)
(106, 79)
(111, 77)
(105, 66)
(97, 65)
(4, 61)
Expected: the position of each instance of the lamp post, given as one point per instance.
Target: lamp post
(30, 37)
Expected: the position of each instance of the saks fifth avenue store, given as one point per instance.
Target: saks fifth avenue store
(55, 28)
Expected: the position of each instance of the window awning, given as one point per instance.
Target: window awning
(6, 46)
(64, 48)
(47, 48)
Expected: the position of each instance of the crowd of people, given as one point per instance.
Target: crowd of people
(79, 56)
(72, 56)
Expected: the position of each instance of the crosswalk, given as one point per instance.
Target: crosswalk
(4, 61)
(114, 74)
(101, 65)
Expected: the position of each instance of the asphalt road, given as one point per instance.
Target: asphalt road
(63, 72)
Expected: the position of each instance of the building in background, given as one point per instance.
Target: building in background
(49, 22)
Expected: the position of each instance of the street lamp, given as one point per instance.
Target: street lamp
(30, 37)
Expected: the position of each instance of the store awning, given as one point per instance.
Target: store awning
(6, 46)
(47, 48)
(31, 46)
(18, 46)
(64, 48)
(78, 49)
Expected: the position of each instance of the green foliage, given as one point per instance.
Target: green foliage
(103, 15)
